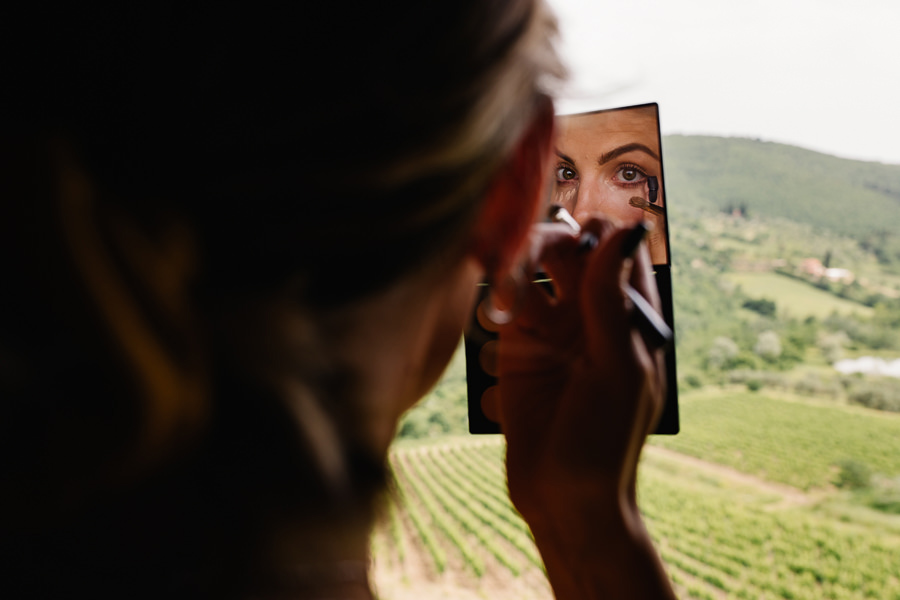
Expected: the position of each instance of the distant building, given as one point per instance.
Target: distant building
(814, 267)
(839, 275)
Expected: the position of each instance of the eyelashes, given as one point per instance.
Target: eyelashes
(625, 174)
(565, 173)
(629, 175)
(565, 190)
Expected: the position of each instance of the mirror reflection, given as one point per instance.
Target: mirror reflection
(608, 162)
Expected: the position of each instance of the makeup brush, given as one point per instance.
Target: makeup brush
(651, 325)
(638, 202)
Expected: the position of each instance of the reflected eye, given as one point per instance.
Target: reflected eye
(629, 175)
(565, 173)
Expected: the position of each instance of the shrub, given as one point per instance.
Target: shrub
(853, 475)
(762, 306)
(759, 378)
(745, 360)
(832, 345)
(722, 352)
(768, 345)
(864, 332)
(880, 394)
(692, 381)
(885, 495)
(813, 384)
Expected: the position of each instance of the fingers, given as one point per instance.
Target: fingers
(561, 257)
(584, 282)
(603, 301)
(644, 282)
(564, 251)
(613, 342)
(560, 254)
(588, 315)
(551, 272)
(585, 418)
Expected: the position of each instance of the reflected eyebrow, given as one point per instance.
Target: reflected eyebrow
(608, 156)
(564, 157)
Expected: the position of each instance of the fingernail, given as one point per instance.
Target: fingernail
(587, 242)
(633, 239)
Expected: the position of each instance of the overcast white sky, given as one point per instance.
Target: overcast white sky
(822, 74)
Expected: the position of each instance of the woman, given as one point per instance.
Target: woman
(241, 252)
(605, 160)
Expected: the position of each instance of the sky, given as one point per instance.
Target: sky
(820, 74)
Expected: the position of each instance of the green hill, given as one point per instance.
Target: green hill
(767, 179)
(798, 205)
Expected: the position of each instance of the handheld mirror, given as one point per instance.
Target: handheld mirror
(608, 162)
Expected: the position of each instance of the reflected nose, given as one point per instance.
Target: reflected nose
(587, 201)
(597, 197)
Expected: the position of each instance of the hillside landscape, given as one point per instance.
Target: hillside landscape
(785, 479)
(857, 199)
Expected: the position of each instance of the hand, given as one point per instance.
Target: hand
(579, 390)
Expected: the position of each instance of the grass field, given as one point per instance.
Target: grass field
(795, 297)
(793, 442)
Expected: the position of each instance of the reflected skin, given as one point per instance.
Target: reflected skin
(603, 159)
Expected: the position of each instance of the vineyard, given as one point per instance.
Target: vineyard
(449, 530)
(450, 526)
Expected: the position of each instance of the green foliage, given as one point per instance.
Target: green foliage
(722, 353)
(744, 216)
(421, 484)
(757, 379)
(717, 537)
(768, 346)
(418, 512)
(791, 442)
(883, 494)
(832, 345)
(776, 180)
(444, 410)
(745, 360)
(713, 302)
(744, 549)
(878, 393)
(853, 474)
(818, 386)
(693, 381)
(763, 306)
(463, 495)
(797, 297)
(887, 313)
(864, 333)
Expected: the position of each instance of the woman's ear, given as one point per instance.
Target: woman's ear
(515, 195)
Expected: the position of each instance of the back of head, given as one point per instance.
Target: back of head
(173, 169)
(284, 130)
